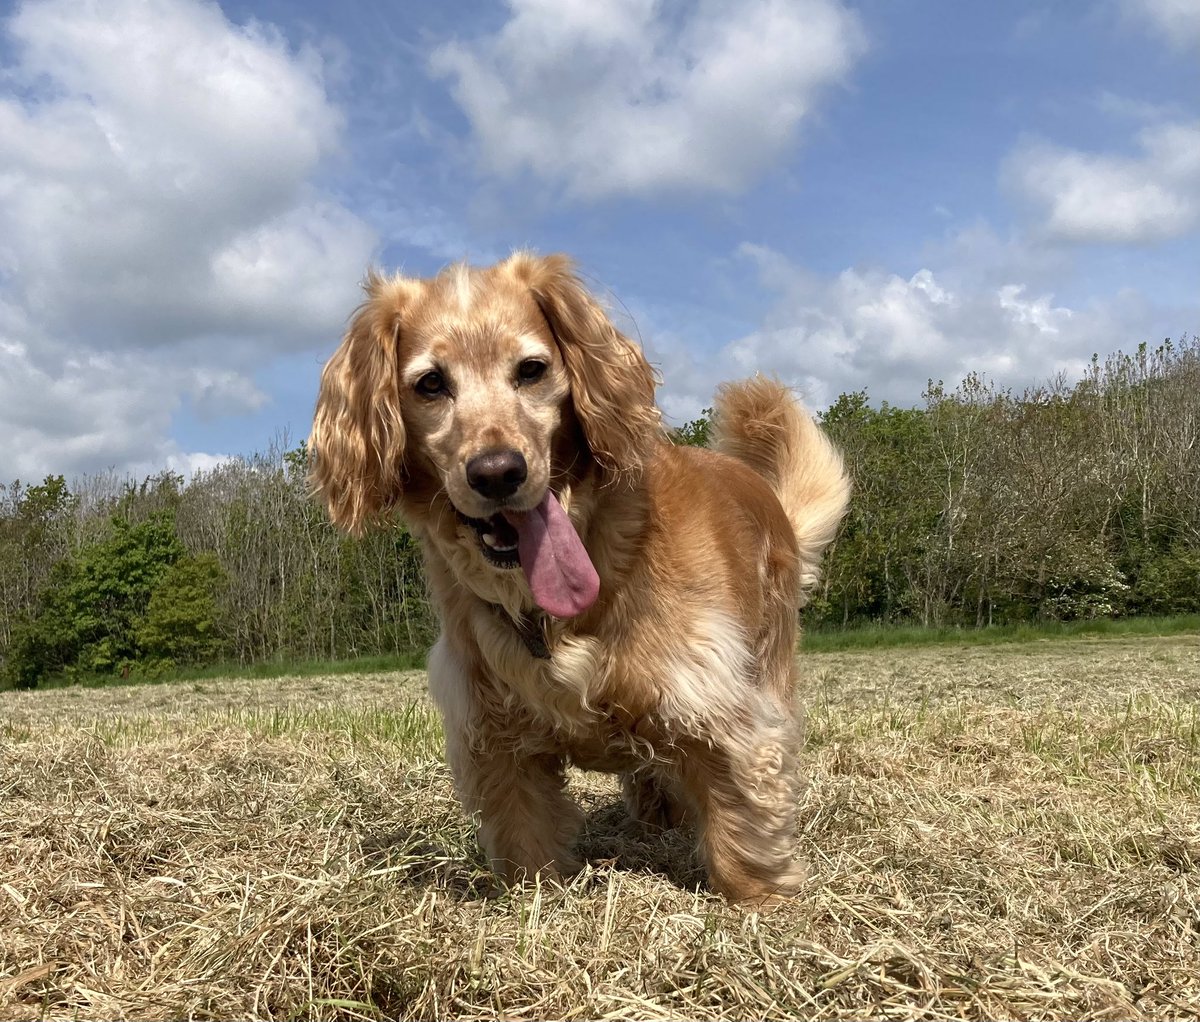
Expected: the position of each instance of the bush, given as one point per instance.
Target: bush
(1169, 583)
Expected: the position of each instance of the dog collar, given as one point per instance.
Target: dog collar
(531, 627)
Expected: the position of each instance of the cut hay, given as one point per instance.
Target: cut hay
(993, 833)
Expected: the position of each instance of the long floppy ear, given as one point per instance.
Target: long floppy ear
(612, 384)
(356, 449)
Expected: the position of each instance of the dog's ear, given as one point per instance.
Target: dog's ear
(356, 450)
(612, 384)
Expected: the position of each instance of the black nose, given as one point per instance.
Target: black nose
(497, 474)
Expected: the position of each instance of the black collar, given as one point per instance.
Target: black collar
(531, 627)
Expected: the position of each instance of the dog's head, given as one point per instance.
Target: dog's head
(482, 385)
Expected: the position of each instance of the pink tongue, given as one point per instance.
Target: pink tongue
(561, 576)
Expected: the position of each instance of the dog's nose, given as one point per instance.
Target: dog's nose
(497, 474)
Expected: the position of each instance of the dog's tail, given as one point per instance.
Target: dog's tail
(760, 423)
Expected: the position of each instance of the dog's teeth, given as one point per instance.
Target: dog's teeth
(490, 541)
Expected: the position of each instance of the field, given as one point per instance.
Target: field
(1006, 831)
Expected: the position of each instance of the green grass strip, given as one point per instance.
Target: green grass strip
(876, 636)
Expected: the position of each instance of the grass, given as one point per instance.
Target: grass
(1008, 831)
(816, 640)
(260, 669)
(877, 636)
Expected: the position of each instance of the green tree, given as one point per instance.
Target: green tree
(89, 614)
(112, 587)
(180, 624)
(875, 567)
(695, 432)
(35, 533)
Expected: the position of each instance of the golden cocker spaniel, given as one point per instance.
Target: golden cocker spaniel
(607, 599)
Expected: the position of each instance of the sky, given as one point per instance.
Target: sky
(849, 196)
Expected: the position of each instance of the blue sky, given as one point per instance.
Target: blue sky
(848, 195)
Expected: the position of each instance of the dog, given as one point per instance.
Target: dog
(608, 599)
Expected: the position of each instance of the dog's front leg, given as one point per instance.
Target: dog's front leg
(527, 822)
(504, 774)
(744, 788)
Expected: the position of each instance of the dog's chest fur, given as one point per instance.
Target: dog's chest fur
(618, 686)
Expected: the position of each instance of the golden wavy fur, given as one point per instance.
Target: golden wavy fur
(458, 401)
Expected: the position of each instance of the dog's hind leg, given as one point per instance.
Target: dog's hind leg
(652, 799)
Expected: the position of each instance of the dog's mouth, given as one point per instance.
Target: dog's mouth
(544, 544)
(498, 540)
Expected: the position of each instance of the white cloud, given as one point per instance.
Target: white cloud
(190, 465)
(88, 413)
(1178, 21)
(161, 232)
(890, 333)
(607, 97)
(1116, 105)
(218, 392)
(1104, 198)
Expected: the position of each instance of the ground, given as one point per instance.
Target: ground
(993, 832)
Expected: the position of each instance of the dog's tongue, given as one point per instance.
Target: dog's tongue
(560, 573)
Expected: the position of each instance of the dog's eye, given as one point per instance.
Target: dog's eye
(432, 384)
(531, 370)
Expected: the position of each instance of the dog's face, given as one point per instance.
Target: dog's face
(485, 399)
(479, 386)
(484, 390)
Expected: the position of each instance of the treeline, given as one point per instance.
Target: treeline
(1069, 500)
(238, 564)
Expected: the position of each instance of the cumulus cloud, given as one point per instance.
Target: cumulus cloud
(161, 234)
(608, 97)
(90, 412)
(1149, 194)
(1085, 197)
(889, 333)
(1178, 21)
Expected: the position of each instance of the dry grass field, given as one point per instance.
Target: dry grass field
(993, 832)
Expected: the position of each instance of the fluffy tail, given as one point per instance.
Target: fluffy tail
(760, 423)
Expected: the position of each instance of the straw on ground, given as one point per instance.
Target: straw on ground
(993, 832)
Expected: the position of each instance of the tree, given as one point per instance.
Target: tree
(35, 533)
(88, 616)
(180, 623)
(978, 506)
(695, 432)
